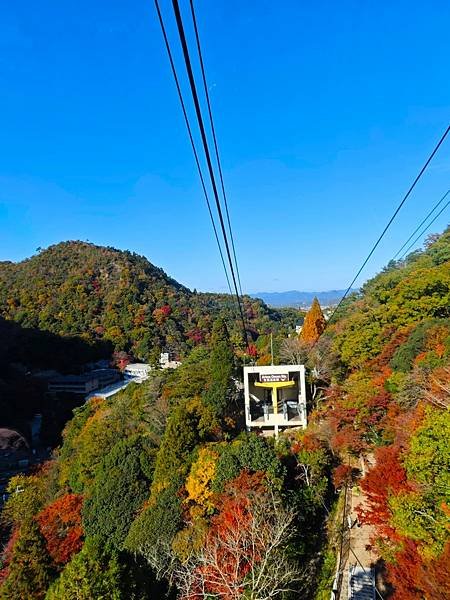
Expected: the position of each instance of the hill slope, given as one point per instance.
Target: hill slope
(98, 293)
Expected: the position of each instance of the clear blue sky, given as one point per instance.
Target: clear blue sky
(325, 112)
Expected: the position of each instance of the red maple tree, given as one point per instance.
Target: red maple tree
(60, 524)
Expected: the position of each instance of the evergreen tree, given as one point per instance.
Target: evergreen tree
(30, 570)
(92, 574)
(120, 489)
(314, 323)
(221, 366)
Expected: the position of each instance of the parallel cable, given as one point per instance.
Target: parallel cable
(216, 148)
(419, 226)
(187, 61)
(186, 120)
(405, 197)
(426, 228)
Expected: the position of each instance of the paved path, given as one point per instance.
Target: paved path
(360, 534)
(358, 558)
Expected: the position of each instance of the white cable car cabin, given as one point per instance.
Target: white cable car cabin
(275, 397)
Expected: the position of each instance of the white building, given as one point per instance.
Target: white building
(166, 361)
(137, 371)
(275, 397)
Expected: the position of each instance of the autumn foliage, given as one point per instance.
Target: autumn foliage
(314, 323)
(60, 524)
(241, 554)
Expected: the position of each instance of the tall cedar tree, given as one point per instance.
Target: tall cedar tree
(30, 570)
(222, 366)
(314, 324)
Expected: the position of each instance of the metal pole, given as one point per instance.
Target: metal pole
(271, 346)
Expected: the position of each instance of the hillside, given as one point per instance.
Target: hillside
(103, 294)
(389, 405)
(160, 489)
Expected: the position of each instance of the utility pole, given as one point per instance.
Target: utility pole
(271, 346)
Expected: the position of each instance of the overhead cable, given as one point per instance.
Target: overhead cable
(405, 197)
(193, 87)
(427, 227)
(186, 120)
(216, 148)
(419, 226)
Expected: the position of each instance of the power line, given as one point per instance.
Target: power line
(187, 61)
(186, 120)
(427, 227)
(205, 85)
(419, 226)
(405, 197)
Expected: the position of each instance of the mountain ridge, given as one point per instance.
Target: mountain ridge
(297, 298)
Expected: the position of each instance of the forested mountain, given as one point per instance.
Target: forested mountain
(159, 489)
(98, 293)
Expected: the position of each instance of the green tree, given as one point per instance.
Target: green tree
(92, 574)
(221, 367)
(121, 487)
(30, 570)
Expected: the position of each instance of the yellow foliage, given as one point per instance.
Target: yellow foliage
(198, 482)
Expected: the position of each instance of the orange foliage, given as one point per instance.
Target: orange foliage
(314, 323)
(436, 577)
(60, 524)
(161, 314)
(399, 337)
(405, 574)
(228, 539)
(380, 378)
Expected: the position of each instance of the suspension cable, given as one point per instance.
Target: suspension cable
(216, 148)
(186, 120)
(207, 155)
(405, 197)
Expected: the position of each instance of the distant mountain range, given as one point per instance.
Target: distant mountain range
(299, 299)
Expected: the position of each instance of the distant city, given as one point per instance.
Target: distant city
(298, 299)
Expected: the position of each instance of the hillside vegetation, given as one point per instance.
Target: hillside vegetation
(159, 490)
(104, 294)
(393, 401)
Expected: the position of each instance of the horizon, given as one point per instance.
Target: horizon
(322, 126)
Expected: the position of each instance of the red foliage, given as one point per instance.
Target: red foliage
(166, 310)
(252, 350)
(228, 539)
(195, 335)
(387, 477)
(342, 474)
(120, 359)
(436, 577)
(348, 439)
(405, 574)
(60, 524)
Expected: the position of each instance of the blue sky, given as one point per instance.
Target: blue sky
(325, 113)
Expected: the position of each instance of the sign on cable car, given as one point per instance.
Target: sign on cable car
(273, 377)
